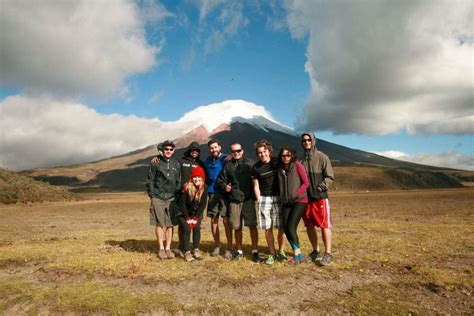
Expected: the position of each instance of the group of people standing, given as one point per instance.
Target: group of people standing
(272, 193)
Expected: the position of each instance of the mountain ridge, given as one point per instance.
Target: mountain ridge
(128, 171)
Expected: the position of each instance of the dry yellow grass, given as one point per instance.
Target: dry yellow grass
(395, 252)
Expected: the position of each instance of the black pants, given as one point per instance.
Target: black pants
(185, 238)
(291, 216)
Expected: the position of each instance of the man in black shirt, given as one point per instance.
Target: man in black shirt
(267, 193)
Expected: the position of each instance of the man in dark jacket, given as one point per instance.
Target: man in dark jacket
(235, 180)
(318, 211)
(190, 160)
(163, 184)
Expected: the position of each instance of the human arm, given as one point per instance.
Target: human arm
(222, 178)
(149, 180)
(327, 174)
(182, 204)
(177, 175)
(303, 175)
(156, 159)
(256, 189)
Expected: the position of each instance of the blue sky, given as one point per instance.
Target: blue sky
(388, 77)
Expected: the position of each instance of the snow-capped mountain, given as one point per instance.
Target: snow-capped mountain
(213, 115)
(229, 122)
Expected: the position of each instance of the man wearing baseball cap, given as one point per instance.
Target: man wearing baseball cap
(163, 185)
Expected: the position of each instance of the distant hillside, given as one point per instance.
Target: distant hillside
(16, 188)
(355, 169)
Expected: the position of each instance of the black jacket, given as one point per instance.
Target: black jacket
(188, 207)
(164, 179)
(237, 173)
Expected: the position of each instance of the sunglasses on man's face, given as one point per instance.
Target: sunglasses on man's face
(306, 140)
(236, 151)
(168, 149)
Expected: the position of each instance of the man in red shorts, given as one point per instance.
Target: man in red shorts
(318, 211)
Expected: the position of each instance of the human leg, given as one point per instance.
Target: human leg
(160, 237)
(184, 227)
(197, 235)
(291, 226)
(327, 239)
(215, 230)
(277, 218)
(228, 231)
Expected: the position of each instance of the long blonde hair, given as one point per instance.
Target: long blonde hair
(194, 193)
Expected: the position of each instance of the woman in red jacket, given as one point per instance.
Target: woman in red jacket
(192, 203)
(293, 182)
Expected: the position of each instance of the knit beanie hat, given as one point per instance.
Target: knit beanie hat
(198, 172)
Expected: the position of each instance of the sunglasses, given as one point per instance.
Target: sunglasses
(198, 150)
(285, 156)
(236, 151)
(306, 140)
(168, 149)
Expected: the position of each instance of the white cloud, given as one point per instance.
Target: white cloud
(42, 132)
(154, 12)
(379, 67)
(219, 22)
(75, 47)
(449, 159)
(207, 6)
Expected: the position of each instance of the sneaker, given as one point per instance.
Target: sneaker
(238, 255)
(216, 251)
(270, 260)
(326, 260)
(162, 254)
(188, 256)
(198, 254)
(313, 255)
(297, 259)
(319, 257)
(169, 254)
(228, 254)
(281, 256)
(256, 257)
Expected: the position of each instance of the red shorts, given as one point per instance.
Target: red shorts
(318, 213)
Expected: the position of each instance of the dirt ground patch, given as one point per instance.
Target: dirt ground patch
(395, 253)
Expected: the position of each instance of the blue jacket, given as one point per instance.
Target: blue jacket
(213, 167)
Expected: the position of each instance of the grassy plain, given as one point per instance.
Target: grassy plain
(398, 252)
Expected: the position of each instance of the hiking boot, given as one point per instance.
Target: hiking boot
(296, 259)
(188, 256)
(256, 257)
(162, 254)
(198, 254)
(216, 251)
(281, 256)
(169, 254)
(270, 260)
(238, 255)
(228, 254)
(326, 260)
(178, 253)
